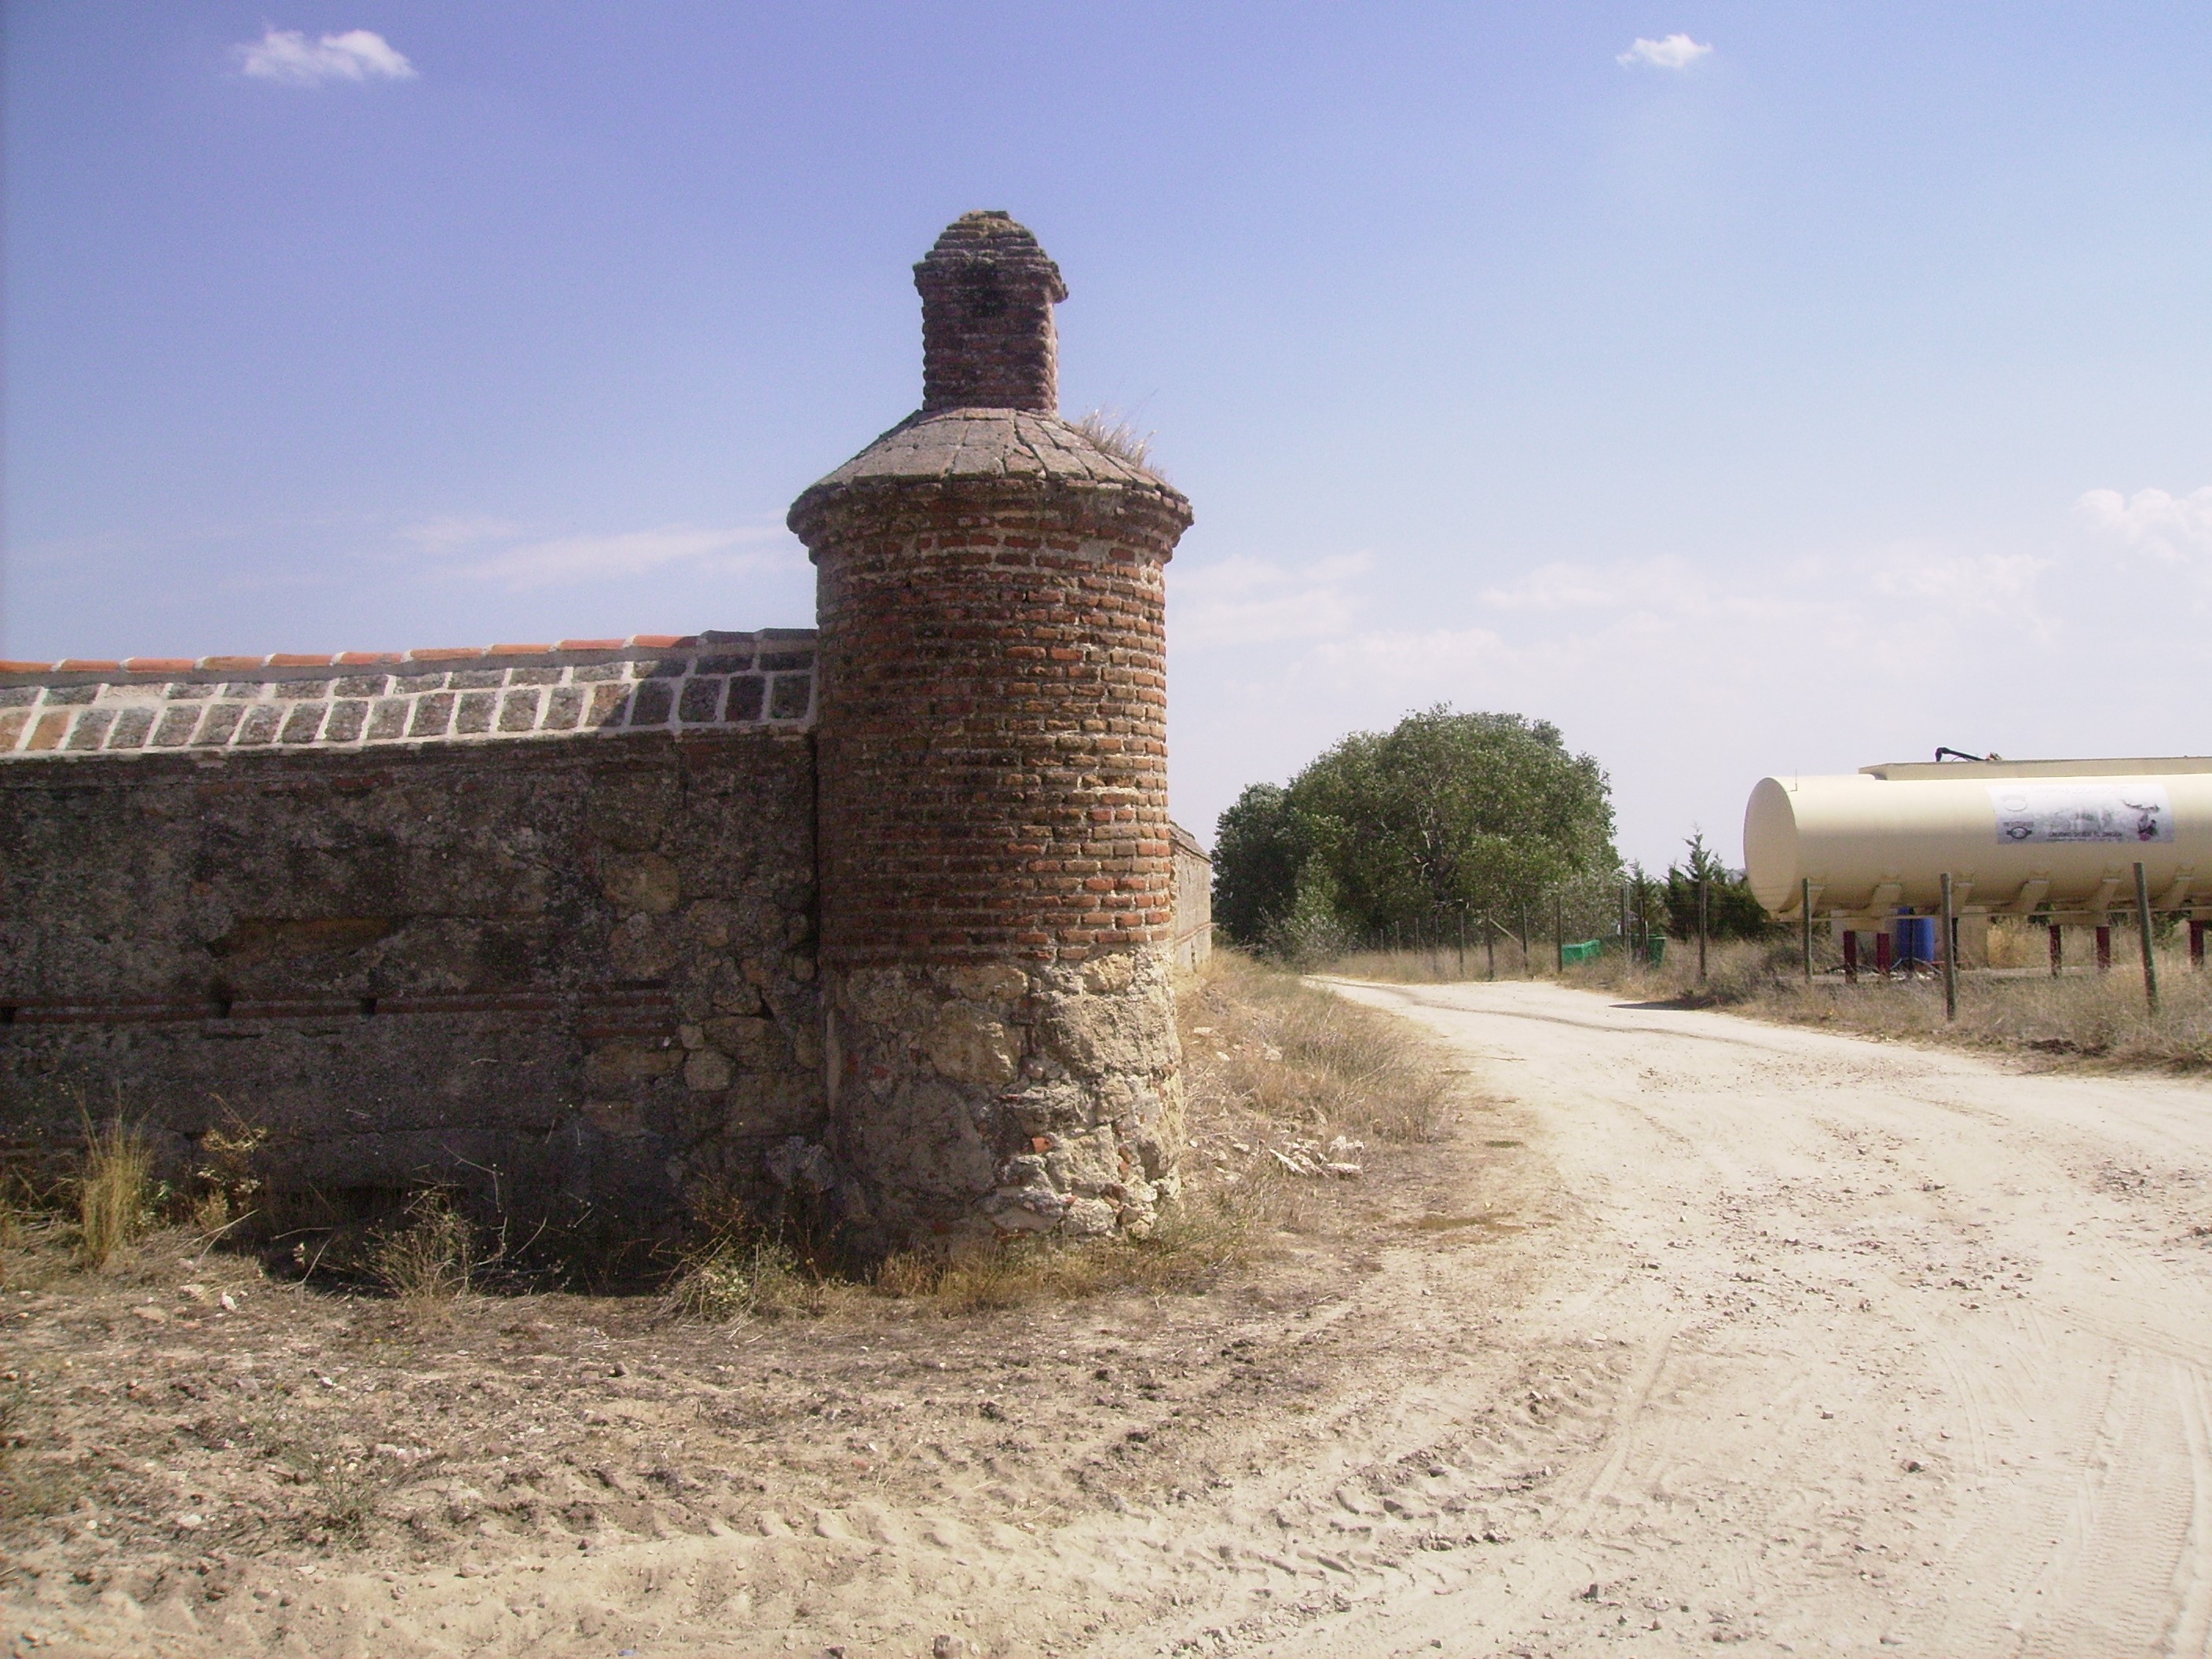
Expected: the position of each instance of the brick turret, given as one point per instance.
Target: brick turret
(996, 863)
(988, 291)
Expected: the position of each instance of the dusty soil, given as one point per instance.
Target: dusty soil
(1697, 1331)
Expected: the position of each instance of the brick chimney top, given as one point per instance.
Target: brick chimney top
(988, 291)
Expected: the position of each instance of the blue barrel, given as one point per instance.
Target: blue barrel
(1916, 940)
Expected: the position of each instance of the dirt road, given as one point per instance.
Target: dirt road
(1873, 1349)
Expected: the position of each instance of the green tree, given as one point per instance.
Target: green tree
(1730, 910)
(1444, 815)
(1257, 852)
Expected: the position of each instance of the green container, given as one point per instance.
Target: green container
(1582, 950)
(1655, 950)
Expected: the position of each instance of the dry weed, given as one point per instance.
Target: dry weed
(435, 1257)
(114, 1191)
(1260, 1041)
(738, 1278)
(1118, 437)
(222, 1186)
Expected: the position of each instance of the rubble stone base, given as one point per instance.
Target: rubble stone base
(985, 1100)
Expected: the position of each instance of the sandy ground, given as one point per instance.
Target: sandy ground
(1698, 1331)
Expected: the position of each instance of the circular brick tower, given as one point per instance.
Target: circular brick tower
(995, 866)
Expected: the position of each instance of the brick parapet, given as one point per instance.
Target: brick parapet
(77, 709)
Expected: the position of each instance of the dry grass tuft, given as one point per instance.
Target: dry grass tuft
(434, 1257)
(1118, 437)
(114, 1191)
(1260, 1041)
(756, 1278)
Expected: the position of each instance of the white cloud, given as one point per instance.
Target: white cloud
(460, 530)
(2176, 529)
(1689, 678)
(1675, 52)
(289, 57)
(493, 550)
(1247, 601)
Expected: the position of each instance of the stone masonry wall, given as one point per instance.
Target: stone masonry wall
(578, 972)
(1194, 901)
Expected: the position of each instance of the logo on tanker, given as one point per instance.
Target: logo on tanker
(2097, 813)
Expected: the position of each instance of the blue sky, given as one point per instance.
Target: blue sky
(1810, 400)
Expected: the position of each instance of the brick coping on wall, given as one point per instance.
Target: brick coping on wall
(579, 688)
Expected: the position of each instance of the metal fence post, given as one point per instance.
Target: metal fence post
(1805, 914)
(1950, 949)
(1702, 929)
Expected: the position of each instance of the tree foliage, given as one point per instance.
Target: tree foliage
(1446, 815)
(1730, 910)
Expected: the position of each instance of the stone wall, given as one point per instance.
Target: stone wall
(576, 962)
(1194, 901)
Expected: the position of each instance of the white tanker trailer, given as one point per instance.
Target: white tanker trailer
(2055, 840)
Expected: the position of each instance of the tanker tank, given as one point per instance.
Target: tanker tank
(2056, 839)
